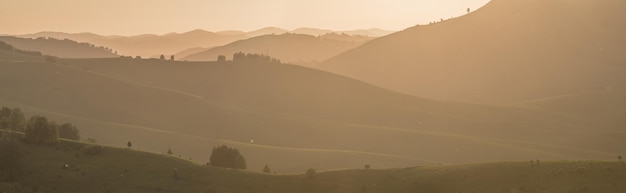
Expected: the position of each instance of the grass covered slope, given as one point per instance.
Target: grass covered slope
(287, 116)
(128, 170)
(508, 51)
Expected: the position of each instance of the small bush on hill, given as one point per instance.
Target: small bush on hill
(227, 157)
(92, 150)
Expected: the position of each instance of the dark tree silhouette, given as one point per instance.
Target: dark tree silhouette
(17, 121)
(162, 57)
(240, 56)
(468, 10)
(266, 169)
(221, 58)
(129, 144)
(227, 157)
(40, 130)
(69, 131)
(169, 151)
(310, 173)
(172, 58)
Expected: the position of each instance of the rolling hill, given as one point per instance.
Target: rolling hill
(507, 52)
(127, 170)
(291, 48)
(288, 116)
(59, 48)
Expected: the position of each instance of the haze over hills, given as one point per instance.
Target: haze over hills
(507, 52)
(288, 116)
(290, 48)
(60, 48)
(148, 45)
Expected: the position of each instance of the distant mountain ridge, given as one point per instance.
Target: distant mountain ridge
(147, 45)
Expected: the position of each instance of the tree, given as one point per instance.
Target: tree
(5, 116)
(162, 57)
(129, 144)
(619, 157)
(69, 131)
(239, 56)
(310, 173)
(17, 120)
(468, 10)
(266, 169)
(221, 58)
(367, 166)
(172, 58)
(169, 151)
(227, 157)
(40, 130)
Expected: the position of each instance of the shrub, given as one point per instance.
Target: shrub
(310, 173)
(266, 169)
(227, 157)
(69, 131)
(92, 150)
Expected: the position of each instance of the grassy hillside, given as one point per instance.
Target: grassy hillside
(60, 48)
(129, 170)
(288, 116)
(507, 52)
(290, 48)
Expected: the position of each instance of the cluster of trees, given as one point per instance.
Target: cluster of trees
(240, 56)
(12, 119)
(38, 129)
(106, 49)
(10, 48)
(227, 157)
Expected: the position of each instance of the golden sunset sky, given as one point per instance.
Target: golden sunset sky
(132, 17)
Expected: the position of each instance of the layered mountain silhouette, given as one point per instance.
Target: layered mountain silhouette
(292, 48)
(509, 51)
(63, 48)
(148, 45)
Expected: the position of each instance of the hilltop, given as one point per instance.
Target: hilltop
(63, 48)
(129, 170)
(290, 48)
(507, 52)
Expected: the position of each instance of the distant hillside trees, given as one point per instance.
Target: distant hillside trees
(10, 48)
(221, 58)
(12, 119)
(227, 157)
(172, 57)
(242, 57)
(69, 131)
(40, 130)
(162, 57)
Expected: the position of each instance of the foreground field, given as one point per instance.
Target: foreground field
(127, 170)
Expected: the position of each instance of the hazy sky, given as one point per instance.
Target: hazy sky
(131, 17)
